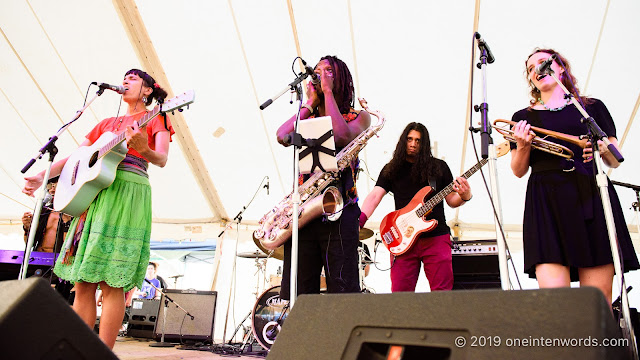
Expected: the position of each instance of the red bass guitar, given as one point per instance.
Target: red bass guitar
(400, 228)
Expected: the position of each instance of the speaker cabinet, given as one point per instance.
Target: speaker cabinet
(179, 326)
(143, 315)
(476, 272)
(36, 323)
(478, 324)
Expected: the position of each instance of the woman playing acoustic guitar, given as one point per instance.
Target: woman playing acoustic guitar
(108, 245)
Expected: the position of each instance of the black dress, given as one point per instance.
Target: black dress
(563, 218)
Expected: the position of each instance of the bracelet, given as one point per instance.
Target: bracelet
(467, 199)
(308, 107)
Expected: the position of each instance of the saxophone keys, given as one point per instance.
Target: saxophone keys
(258, 234)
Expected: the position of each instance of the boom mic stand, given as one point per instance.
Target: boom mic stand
(49, 147)
(488, 150)
(238, 219)
(635, 206)
(595, 134)
(167, 299)
(293, 86)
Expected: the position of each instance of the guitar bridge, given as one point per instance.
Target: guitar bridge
(75, 173)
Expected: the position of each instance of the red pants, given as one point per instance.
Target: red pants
(435, 254)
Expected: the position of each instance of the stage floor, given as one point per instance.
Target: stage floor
(127, 348)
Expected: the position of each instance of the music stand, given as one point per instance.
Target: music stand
(319, 143)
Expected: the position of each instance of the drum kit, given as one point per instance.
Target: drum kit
(270, 311)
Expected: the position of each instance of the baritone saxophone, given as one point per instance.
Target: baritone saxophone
(317, 195)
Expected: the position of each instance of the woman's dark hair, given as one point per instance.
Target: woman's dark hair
(424, 167)
(342, 84)
(567, 78)
(158, 93)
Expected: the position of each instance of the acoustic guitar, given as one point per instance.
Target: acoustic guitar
(93, 168)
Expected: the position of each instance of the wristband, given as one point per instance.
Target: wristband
(467, 199)
(308, 107)
(363, 219)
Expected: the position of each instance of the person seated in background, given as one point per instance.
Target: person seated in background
(52, 228)
(50, 224)
(147, 291)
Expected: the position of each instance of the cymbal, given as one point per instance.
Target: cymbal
(365, 234)
(278, 253)
(253, 255)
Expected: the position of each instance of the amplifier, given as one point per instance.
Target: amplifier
(475, 265)
(475, 247)
(142, 317)
(178, 327)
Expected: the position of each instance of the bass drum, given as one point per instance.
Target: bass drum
(268, 316)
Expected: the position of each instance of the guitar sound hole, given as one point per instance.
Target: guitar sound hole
(94, 159)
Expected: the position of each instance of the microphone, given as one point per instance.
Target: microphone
(267, 185)
(315, 78)
(545, 65)
(117, 88)
(48, 199)
(483, 44)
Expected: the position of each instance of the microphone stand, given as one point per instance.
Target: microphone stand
(595, 134)
(49, 147)
(635, 206)
(162, 343)
(293, 86)
(488, 150)
(238, 219)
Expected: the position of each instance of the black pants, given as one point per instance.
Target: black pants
(329, 244)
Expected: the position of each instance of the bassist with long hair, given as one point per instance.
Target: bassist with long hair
(412, 168)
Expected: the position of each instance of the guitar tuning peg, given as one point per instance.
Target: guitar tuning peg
(173, 112)
(180, 110)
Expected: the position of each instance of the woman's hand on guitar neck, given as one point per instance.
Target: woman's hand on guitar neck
(32, 183)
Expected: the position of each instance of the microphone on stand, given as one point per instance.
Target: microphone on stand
(315, 78)
(117, 88)
(483, 44)
(545, 65)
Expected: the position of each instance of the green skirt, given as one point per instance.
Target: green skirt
(112, 243)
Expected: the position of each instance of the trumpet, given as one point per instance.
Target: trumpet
(541, 143)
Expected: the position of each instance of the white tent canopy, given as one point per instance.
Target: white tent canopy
(411, 60)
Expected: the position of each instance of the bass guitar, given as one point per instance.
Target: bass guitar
(93, 168)
(400, 228)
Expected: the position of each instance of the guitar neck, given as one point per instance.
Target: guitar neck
(437, 198)
(121, 137)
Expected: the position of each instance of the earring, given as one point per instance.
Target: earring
(144, 99)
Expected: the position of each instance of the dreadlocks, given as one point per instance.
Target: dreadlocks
(343, 84)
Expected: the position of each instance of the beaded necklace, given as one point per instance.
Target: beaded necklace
(554, 109)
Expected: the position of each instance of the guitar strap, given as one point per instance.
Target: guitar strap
(432, 183)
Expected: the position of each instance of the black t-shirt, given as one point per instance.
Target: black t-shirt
(404, 188)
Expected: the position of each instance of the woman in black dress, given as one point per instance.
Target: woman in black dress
(564, 230)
